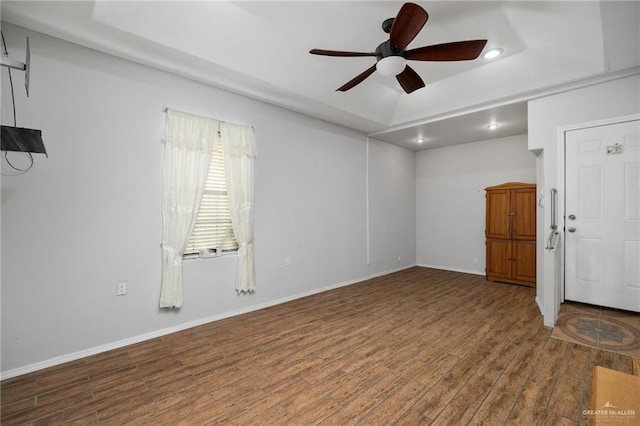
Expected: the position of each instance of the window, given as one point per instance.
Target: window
(213, 229)
(187, 182)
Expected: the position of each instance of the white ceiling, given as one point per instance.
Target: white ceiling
(260, 49)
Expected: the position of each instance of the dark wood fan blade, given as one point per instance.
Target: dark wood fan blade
(340, 53)
(409, 80)
(406, 26)
(456, 51)
(359, 79)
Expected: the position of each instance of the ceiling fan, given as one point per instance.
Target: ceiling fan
(391, 54)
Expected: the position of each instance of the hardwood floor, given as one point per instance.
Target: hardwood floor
(420, 346)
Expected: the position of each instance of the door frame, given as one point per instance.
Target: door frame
(561, 180)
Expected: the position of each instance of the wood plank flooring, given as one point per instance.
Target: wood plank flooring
(420, 346)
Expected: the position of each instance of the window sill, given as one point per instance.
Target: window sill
(196, 256)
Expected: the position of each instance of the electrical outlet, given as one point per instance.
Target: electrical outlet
(287, 261)
(475, 260)
(398, 258)
(122, 288)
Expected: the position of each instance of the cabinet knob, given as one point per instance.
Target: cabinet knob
(572, 229)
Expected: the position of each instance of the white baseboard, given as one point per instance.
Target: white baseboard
(159, 333)
(391, 271)
(448, 268)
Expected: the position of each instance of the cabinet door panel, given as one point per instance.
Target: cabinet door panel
(499, 265)
(524, 255)
(523, 207)
(498, 207)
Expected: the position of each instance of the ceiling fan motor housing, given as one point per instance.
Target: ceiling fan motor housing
(385, 49)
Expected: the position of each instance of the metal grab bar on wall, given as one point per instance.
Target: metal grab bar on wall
(552, 240)
(554, 234)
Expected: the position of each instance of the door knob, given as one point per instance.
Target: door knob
(572, 217)
(571, 229)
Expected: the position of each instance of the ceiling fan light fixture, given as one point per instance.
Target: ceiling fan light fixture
(391, 65)
(493, 53)
(393, 53)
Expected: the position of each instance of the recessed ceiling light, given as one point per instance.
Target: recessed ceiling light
(493, 53)
(492, 126)
(420, 140)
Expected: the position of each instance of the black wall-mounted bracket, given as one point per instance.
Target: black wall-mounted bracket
(20, 66)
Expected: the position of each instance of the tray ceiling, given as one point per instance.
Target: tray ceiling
(260, 49)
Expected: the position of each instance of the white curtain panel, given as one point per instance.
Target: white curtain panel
(240, 154)
(189, 141)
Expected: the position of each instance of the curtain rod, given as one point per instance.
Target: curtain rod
(167, 109)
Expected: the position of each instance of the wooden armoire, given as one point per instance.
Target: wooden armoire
(511, 233)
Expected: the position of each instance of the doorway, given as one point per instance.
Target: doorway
(602, 215)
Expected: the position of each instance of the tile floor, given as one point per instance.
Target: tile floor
(598, 327)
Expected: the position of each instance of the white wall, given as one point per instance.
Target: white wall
(392, 189)
(546, 116)
(450, 198)
(89, 215)
(544, 204)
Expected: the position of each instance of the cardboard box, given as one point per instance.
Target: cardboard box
(615, 398)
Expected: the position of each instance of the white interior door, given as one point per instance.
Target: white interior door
(602, 215)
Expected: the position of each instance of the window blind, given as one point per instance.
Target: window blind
(213, 229)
